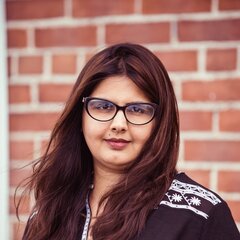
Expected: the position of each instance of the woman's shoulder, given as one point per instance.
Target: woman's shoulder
(185, 193)
(190, 211)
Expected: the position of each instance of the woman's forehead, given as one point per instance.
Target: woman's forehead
(119, 89)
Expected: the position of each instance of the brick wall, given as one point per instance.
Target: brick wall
(49, 41)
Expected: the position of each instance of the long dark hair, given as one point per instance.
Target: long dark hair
(62, 176)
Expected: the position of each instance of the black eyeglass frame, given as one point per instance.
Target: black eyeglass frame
(85, 100)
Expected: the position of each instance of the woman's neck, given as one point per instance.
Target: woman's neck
(103, 181)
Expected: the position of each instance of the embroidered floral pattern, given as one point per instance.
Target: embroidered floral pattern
(195, 201)
(176, 197)
(191, 197)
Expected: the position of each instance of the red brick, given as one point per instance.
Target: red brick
(18, 230)
(215, 150)
(200, 176)
(19, 175)
(44, 145)
(195, 120)
(21, 150)
(24, 207)
(32, 121)
(179, 60)
(9, 66)
(64, 63)
(176, 6)
(235, 206)
(16, 38)
(219, 90)
(30, 65)
(91, 8)
(54, 92)
(229, 120)
(229, 181)
(61, 37)
(89, 55)
(26, 9)
(19, 94)
(141, 33)
(229, 5)
(221, 59)
(217, 30)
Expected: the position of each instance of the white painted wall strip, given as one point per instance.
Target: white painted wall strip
(4, 134)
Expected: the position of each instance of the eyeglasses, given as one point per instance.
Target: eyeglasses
(103, 110)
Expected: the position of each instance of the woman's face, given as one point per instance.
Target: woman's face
(115, 143)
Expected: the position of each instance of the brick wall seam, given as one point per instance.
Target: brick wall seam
(135, 18)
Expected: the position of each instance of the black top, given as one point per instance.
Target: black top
(190, 212)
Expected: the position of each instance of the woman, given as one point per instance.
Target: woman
(109, 171)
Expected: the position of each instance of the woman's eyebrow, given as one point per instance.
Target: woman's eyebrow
(136, 102)
(126, 103)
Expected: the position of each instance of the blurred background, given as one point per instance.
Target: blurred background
(48, 42)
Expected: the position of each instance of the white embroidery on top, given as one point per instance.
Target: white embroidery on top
(191, 197)
(177, 197)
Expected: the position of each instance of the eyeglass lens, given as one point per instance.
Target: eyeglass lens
(136, 113)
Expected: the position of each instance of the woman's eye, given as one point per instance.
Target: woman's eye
(136, 109)
(139, 110)
(102, 106)
(142, 110)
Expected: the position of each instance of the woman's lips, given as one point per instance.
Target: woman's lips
(117, 144)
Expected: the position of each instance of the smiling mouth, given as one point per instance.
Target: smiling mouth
(117, 144)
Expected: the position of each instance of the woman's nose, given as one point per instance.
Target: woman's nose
(119, 122)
